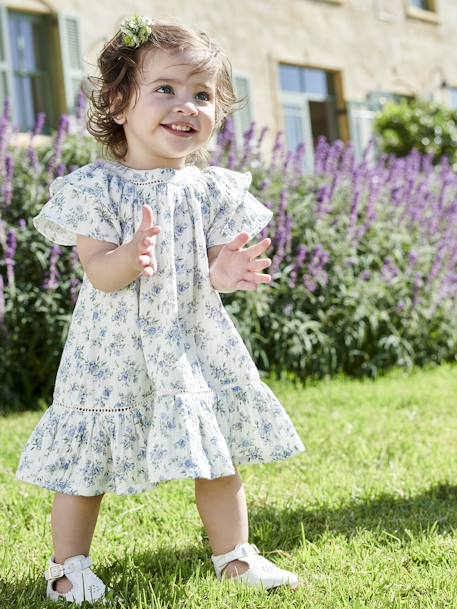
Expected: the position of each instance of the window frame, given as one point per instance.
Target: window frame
(45, 75)
(302, 99)
(430, 15)
(237, 113)
(6, 72)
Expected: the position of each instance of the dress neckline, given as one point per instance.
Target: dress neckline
(148, 176)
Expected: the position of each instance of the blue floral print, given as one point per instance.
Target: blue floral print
(154, 382)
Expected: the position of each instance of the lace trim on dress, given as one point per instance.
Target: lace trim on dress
(134, 404)
(97, 410)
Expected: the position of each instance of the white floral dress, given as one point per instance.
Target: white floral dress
(155, 382)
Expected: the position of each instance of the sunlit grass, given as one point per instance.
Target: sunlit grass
(366, 516)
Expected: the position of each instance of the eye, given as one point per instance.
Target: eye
(207, 95)
(164, 87)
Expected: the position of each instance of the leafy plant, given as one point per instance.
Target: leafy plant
(363, 261)
(419, 124)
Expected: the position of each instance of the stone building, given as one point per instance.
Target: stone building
(307, 67)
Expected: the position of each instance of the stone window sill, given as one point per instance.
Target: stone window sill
(423, 15)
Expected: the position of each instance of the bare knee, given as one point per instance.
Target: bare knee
(222, 480)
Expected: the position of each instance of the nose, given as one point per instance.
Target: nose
(186, 106)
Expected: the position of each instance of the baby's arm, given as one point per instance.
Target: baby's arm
(232, 268)
(110, 267)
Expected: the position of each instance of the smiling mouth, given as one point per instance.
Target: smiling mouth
(180, 131)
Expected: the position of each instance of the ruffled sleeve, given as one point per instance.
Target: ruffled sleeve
(230, 208)
(70, 211)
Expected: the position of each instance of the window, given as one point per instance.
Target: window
(309, 107)
(426, 10)
(453, 97)
(425, 5)
(29, 61)
(243, 116)
(40, 65)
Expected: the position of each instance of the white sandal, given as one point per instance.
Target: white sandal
(86, 585)
(261, 573)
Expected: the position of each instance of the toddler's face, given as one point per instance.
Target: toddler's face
(174, 113)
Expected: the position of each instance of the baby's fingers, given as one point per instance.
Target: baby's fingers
(259, 248)
(149, 271)
(259, 265)
(150, 233)
(262, 278)
(144, 259)
(256, 279)
(149, 265)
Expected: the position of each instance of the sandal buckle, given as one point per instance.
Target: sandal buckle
(54, 572)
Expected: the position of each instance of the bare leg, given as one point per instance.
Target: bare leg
(221, 504)
(73, 521)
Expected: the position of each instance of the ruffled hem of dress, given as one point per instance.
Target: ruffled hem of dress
(196, 435)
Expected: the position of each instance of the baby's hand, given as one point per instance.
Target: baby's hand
(236, 269)
(143, 244)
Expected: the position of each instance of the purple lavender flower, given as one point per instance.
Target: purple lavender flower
(248, 140)
(52, 281)
(333, 157)
(33, 158)
(298, 160)
(258, 146)
(7, 108)
(316, 273)
(301, 257)
(412, 261)
(401, 306)
(232, 160)
(390, 271)
(320, 155)
(277, 151)
(348, 160)
(4, 135)
(62, 132)
(39, 124)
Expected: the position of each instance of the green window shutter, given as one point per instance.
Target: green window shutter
(6, 76)
(70, 47)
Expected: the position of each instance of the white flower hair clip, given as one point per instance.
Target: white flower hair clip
(136, 30)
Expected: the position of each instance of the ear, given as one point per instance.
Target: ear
(117, 118)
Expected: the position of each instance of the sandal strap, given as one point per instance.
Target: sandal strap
(241, 550)
(71, 565)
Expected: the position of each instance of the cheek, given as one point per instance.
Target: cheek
(208, 117)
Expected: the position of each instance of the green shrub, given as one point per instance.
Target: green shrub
(364, 263)
(422, 125)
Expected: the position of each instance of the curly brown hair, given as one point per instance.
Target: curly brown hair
(119, 64)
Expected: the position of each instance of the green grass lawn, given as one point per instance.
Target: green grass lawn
(366, 516)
